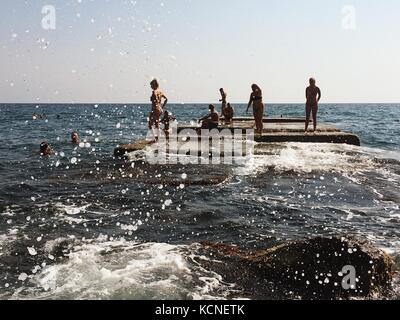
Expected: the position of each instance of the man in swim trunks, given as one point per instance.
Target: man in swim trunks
(313, 95)
(211, 121)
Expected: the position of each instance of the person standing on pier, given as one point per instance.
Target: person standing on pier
(313, 96)
(256, 100)
(157, 107)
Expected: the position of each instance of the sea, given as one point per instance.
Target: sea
(82, 224)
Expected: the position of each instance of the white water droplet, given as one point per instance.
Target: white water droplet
(32, 251)
(23, 277)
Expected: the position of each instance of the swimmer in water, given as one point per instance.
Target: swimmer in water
(211, 121)
(313, 96)
(157, 106)
(256, 99)
(45, 149)
(75, 138)
(37, 116)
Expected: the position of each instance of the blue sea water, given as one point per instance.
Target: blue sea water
(81, 224)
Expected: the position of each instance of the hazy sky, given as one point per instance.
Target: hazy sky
(108, 50)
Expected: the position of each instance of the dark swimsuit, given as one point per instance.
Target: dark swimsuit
(256, 98)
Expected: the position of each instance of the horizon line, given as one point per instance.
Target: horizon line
(185, 103)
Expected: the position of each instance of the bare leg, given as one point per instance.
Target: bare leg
(261, 116)
(255, 118)
(308, 115)
(258, 123)
(154, 124)
(314, 114)
(157, 116)
(151, 125)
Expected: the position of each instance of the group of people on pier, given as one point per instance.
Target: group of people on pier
(160, 115)
(211, 121)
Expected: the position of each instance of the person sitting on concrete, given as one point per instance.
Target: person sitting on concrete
(227, 110)
(166, 121)
(211, 121)
(229, 113)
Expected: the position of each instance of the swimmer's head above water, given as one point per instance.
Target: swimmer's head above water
(45, 149)
(75, 138)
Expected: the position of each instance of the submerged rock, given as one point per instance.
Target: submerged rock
(320, 268)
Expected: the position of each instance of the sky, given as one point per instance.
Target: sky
(107, 51)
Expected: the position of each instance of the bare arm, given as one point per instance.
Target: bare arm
(319, 94)
(250, 102)
(165, 101)
(205, 118)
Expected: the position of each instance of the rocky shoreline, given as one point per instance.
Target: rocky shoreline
(318, 268)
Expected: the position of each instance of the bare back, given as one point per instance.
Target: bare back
(313, 94)
(156, 100)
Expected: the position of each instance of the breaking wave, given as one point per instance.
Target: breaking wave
(125, 270)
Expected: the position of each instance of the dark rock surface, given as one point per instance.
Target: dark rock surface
(311, 269)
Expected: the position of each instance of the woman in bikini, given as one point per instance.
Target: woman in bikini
(256, 100)
(313, 95)
(157, 107)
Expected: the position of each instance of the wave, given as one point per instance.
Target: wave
(125, 270)
(307, 158)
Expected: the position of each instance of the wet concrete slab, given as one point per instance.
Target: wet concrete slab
(278, 130)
